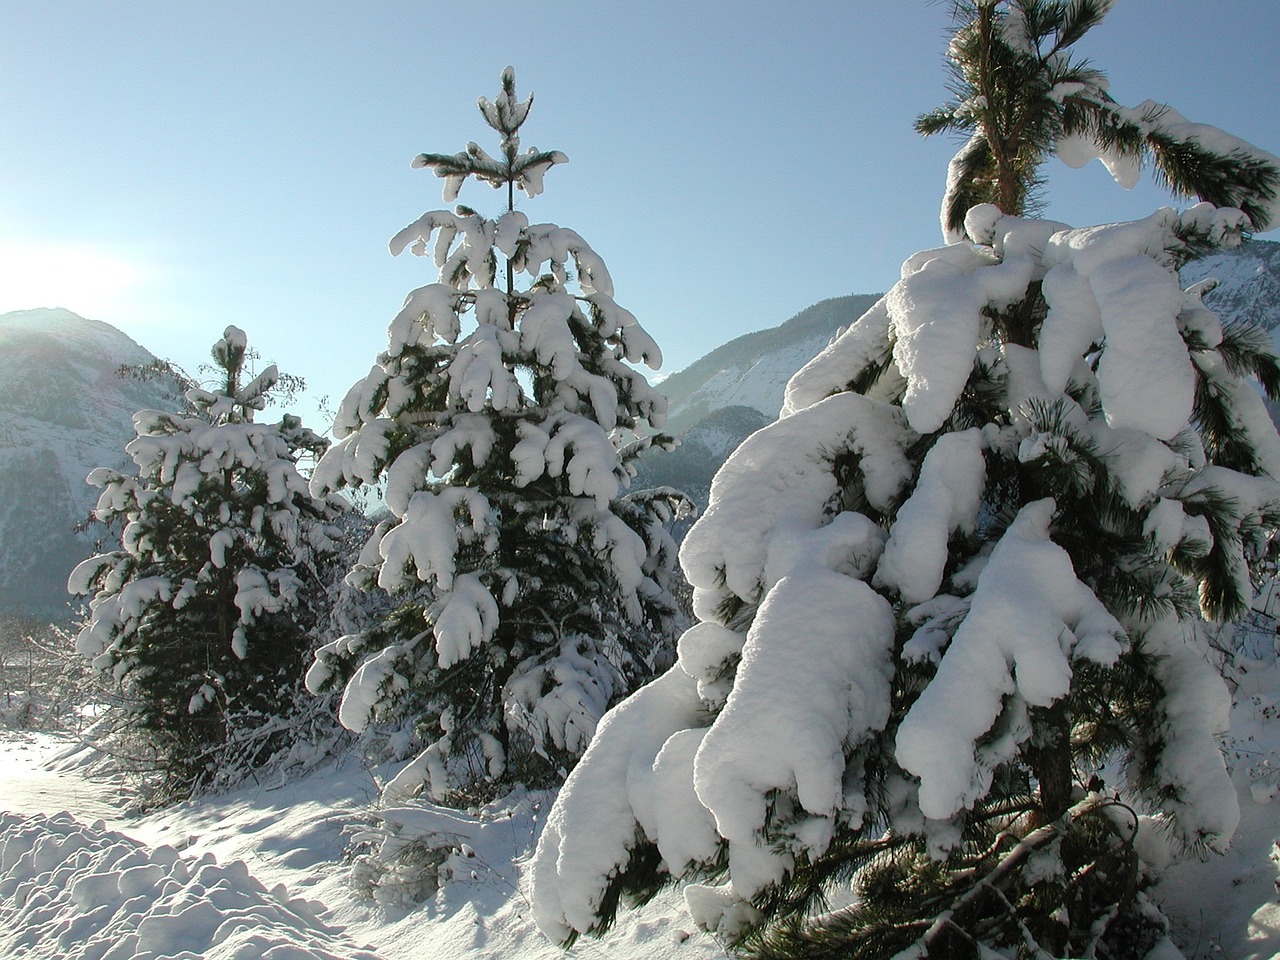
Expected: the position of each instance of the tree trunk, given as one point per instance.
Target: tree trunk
(1049, 756)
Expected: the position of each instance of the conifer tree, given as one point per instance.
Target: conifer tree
(206, 610)
(1021, 97)
(535, 590)
(953, 664)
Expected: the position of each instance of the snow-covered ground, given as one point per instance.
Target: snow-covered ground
(260, 873)
(107, 886)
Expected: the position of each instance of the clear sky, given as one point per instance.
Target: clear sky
(172, 167)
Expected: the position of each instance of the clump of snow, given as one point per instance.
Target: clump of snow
(945, 501)
(842, 361)
(936, 311)
(1029, 617)
(719, 909)
(792, 737)
(606, 796)
(1197, 712)
(1076, 150)
(782, 478)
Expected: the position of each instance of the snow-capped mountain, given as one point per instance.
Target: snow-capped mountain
(64, 409)
(713, 400)
(733, 391)
(1248, 283)
(753, 370)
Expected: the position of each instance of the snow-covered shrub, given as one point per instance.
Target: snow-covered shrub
(952, 665)
(43, 685)
(405, 853)
(534, 589)
(207, 610)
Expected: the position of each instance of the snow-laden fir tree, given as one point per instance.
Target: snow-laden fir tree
(952, 681)
(206, 611)
(536, 589)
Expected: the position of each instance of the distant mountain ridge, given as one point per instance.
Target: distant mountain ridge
(64, 410)
(1248, 283)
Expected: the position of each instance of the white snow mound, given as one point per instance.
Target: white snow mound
(79, 892)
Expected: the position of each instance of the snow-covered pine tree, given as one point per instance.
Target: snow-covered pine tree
(536, 590)
(206, 610)
(951, 683)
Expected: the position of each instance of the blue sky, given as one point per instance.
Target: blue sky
(174, 167)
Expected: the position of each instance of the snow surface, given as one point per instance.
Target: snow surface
(293, 834)
(87, 891)
(273, 856)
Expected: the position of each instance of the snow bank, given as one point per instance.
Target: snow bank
(86, 893)
(295, 831)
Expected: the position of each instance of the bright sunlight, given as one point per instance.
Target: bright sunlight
(90, 281)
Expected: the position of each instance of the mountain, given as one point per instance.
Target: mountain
(703, 449)
(752, 370)
(64, 409)
(721, 399)
(1248, 283)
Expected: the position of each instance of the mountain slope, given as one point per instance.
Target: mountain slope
(1248, 283)
(733, 391)
(64, 410)
(703, 449)
(752, 370)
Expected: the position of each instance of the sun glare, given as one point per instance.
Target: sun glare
(90, 281)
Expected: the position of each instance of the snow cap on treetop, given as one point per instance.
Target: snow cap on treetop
(506, 114)
(229, 351)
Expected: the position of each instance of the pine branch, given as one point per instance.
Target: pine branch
(1078, 18)
(943, 119)
(1238, 179)
(971, 180)
(1220, 596)
(1246, 350)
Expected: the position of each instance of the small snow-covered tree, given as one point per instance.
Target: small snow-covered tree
(952, 666)
(536, 589)
(206, 610)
